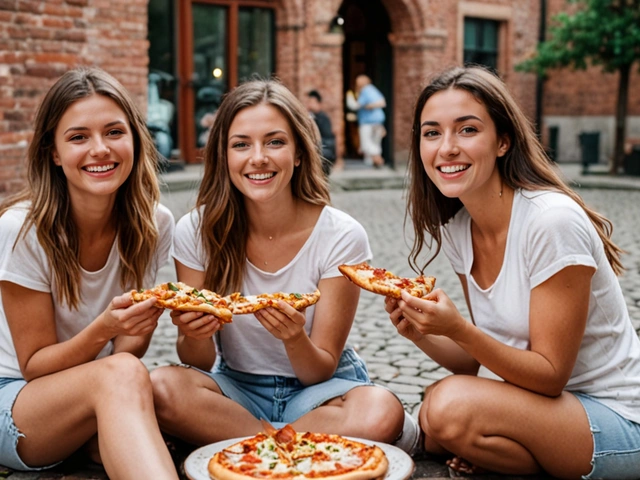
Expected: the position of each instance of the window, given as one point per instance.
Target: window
(481, 42)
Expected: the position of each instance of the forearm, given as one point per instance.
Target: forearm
(197, 353)
(135, 345)
(311, 364)
(524, 368)
(82, 348)
(448, 354)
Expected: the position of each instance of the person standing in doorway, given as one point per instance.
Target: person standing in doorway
(314, 105)
(369, 107)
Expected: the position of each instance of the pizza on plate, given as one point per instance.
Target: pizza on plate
(291, 455)
(383, 282)
(182, 297)
(241, 304)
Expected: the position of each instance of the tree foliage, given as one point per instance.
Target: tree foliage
(603, 32)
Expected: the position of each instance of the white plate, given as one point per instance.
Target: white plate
(401, 465)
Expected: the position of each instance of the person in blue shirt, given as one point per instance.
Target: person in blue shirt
(369, 107)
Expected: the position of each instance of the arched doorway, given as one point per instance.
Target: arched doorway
(366, 50)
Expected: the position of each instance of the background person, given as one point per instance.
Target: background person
(87, 227)
(314, 105)
(262, 223)
(369, 106)
(549, 365)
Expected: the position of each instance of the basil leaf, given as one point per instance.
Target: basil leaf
(173, 287)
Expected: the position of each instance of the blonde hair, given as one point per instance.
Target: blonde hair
(223, 222)
(525, 165)
(49, 210)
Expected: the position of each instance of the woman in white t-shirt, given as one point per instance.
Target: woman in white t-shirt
(87, 228)
(262, 223)
(547, 372)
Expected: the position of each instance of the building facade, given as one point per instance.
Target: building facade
(178, 57)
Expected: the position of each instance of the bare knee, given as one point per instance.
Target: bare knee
(122, 376)
(383, 414)
(446, 412)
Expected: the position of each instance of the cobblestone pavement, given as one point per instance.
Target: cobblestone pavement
(392, 360)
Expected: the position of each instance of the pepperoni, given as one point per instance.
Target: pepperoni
(379, 272)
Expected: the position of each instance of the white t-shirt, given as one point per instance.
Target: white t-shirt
(244, 344)
(548, 232)
(28, 266)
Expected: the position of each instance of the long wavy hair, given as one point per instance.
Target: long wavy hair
(223, 222)
(525, 165)
(49, 206)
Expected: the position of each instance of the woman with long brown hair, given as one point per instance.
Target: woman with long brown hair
(87, 227)
(547, 370)
(263, 223)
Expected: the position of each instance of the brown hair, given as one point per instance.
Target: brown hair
(223, 222)
(46, 190)
(525, 165)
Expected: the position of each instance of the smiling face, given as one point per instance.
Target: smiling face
(94, 146)
(261, 153)
(459, 145)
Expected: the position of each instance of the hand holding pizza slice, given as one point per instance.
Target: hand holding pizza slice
(182, 297)
(383, 282)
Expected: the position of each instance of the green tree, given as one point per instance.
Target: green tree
(599, 32)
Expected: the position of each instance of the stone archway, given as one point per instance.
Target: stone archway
(309, 55)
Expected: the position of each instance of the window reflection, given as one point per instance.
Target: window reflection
(210, 76)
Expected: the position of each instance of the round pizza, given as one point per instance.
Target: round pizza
(383, 282)
(287, 454)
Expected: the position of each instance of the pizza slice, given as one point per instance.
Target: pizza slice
(182, 297)
(383, 282)
(240, 304)
(288, 454)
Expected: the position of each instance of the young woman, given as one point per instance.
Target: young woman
(87, 227)
(263, 224)
(547, 372)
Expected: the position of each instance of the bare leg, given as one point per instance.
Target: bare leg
(179, 392)
(59, 413)
(503, 428)
(367, 412)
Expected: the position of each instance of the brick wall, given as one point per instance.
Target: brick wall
(586, 92)
(426, 36)
(40, 40)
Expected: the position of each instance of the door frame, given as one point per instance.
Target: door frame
(186, 95)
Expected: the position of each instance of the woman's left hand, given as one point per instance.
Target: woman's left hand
(285, 323)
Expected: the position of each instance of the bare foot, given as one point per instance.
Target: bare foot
(460, 465)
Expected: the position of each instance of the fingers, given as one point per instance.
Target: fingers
(283, 322)
(196, 324)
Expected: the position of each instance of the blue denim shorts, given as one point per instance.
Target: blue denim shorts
(616, 440)
(283, 400)
(9, 433)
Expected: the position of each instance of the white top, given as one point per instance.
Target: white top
(244, 344)
(548, 232)
(28, 266)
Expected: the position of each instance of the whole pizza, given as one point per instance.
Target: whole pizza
(291, 455)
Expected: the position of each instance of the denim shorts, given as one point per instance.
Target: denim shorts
(616, 440)
(283, 400)
(9, 433)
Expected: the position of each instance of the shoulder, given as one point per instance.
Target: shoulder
(12, 220)
(549, 208)
(164, 217)
(337, 220)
